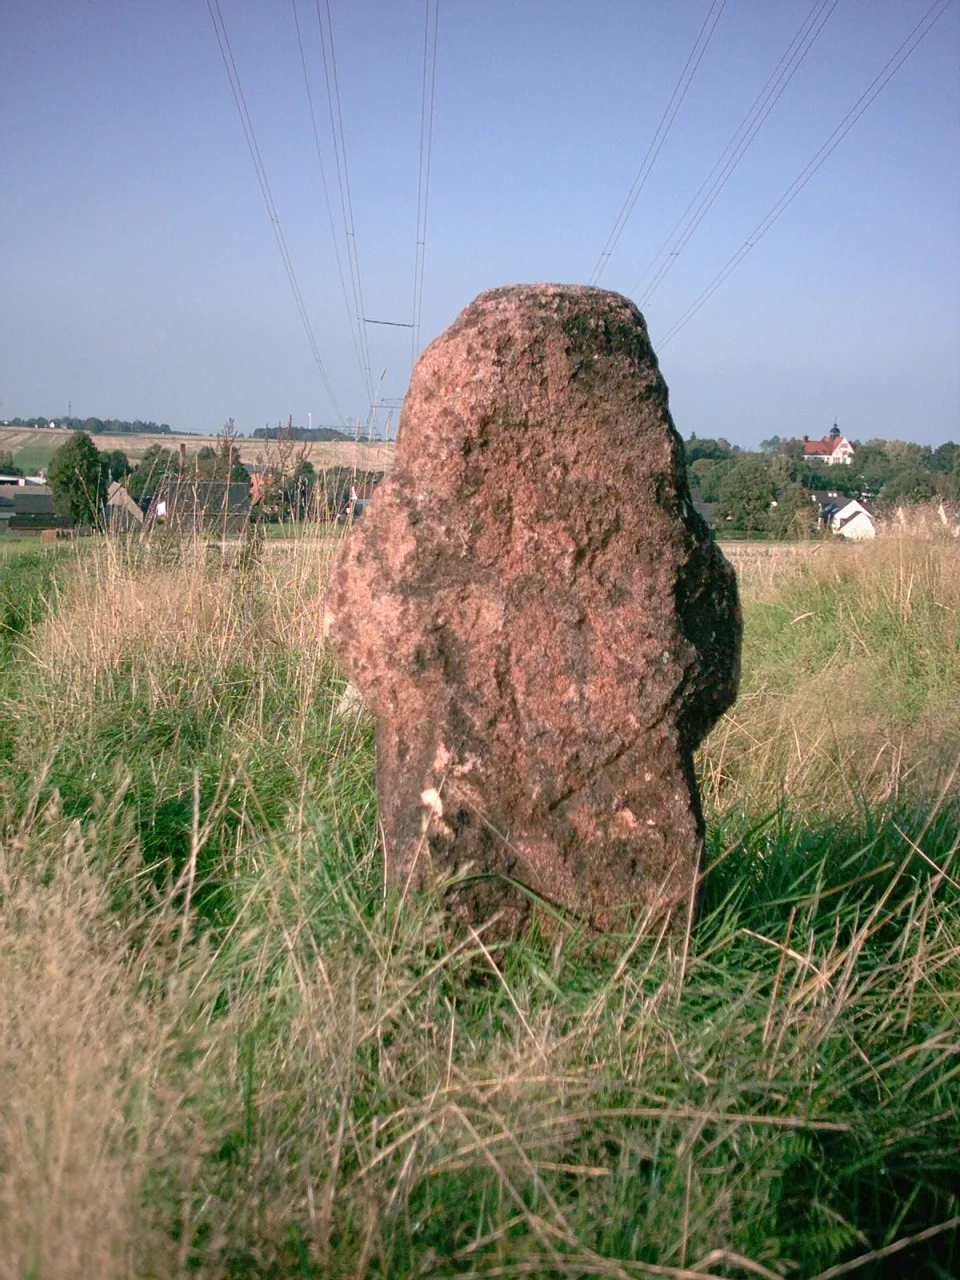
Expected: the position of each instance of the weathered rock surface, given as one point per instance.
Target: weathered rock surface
(541, 624)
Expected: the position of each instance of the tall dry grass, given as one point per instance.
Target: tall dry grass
(95, 1099)
(183, 602)
(851, 688)
(225, 1053)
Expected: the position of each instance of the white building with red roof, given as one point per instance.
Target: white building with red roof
(833, 449)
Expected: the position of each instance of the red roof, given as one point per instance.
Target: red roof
(826, 446)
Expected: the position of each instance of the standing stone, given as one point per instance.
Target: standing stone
(541, 624)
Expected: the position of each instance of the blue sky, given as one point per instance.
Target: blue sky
(140, 276)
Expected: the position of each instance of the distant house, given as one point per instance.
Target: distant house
(201, 506)
(848, 517)
(122, 514)
(833, 450)
(28, 508)
(706, 510)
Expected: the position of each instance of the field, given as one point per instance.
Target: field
(34, 448)
(224, 1052)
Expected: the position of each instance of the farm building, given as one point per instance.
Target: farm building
(27, 508)
(122, 514)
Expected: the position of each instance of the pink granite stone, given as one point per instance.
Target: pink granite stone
(541, 624)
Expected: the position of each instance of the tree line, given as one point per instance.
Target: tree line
(764, 492)
(97, 426)
(768, 491)
(290, 432)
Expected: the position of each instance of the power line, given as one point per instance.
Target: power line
(876, 86)
(736, 148)
(351, 321)
(343, 182)
(428, 89)
(233, 75)
(663, 128)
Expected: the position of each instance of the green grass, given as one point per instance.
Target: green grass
(19, 544)
(292, 529)
(29, 580)
(233, 1056)
(35, 457)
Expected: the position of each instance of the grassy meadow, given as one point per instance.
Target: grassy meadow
(225, 1053)
(13, 544)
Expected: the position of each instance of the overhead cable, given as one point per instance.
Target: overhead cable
(735, 149)
(351, 319)
(663, 128)
(428, 89)
(343, 182)
(226, 53)
(876, 86)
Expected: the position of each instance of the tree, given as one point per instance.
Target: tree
(299, 434)
(715, 450)
(746, 492)
(909, 483)
(114, 426)
(707, 474)
(118, 464)
(7, 464)
(78, 480)
(905, 453)
(222, 462)
(944, 459)
(783, 471)
(795, 515)
(298, 491)
(153, 469)
(820, 475)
